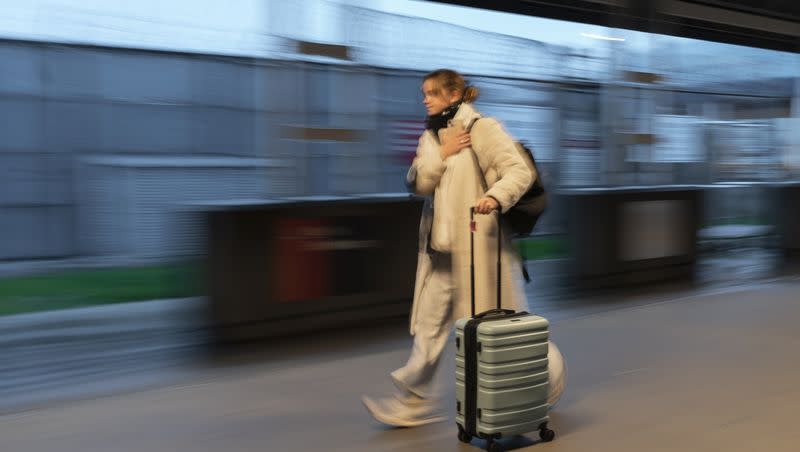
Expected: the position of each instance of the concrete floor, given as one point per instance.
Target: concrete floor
(699, 371)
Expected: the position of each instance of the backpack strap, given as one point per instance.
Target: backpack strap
(475, 156)
(472, 123)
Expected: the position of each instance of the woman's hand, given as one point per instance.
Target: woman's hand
(486, 205)
(454, 139)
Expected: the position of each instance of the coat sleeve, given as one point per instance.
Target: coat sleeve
(426, 170)
(496, 149)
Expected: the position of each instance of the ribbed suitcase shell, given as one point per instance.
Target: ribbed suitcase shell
(512, 380)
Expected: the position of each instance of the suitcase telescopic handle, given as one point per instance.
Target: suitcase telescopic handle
(472, 229)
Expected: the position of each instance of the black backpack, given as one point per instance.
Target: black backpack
(523, 215)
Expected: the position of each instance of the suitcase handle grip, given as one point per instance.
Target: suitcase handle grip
(494, 313)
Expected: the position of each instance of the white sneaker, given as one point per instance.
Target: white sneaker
(403, 411)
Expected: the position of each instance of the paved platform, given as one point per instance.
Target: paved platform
(709, 370)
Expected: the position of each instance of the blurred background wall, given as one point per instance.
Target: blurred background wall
(115, 117)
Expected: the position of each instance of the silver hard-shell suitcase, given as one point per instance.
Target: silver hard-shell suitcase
(502, 378)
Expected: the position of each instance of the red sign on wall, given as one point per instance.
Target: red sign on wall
(301, 260)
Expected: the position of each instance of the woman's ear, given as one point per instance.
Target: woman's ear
(454, 96)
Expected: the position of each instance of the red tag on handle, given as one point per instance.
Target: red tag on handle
(472, 227)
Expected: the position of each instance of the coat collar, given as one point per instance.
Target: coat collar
(466, 114)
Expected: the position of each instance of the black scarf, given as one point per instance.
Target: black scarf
(439, 120)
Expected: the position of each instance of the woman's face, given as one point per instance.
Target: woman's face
(435, 99)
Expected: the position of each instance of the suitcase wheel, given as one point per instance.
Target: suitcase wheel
(547, 435)
(494, 447)
(463, 436)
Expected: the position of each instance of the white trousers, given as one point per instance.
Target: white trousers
(433, 325)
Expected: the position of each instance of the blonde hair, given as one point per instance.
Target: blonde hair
(450, 81)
